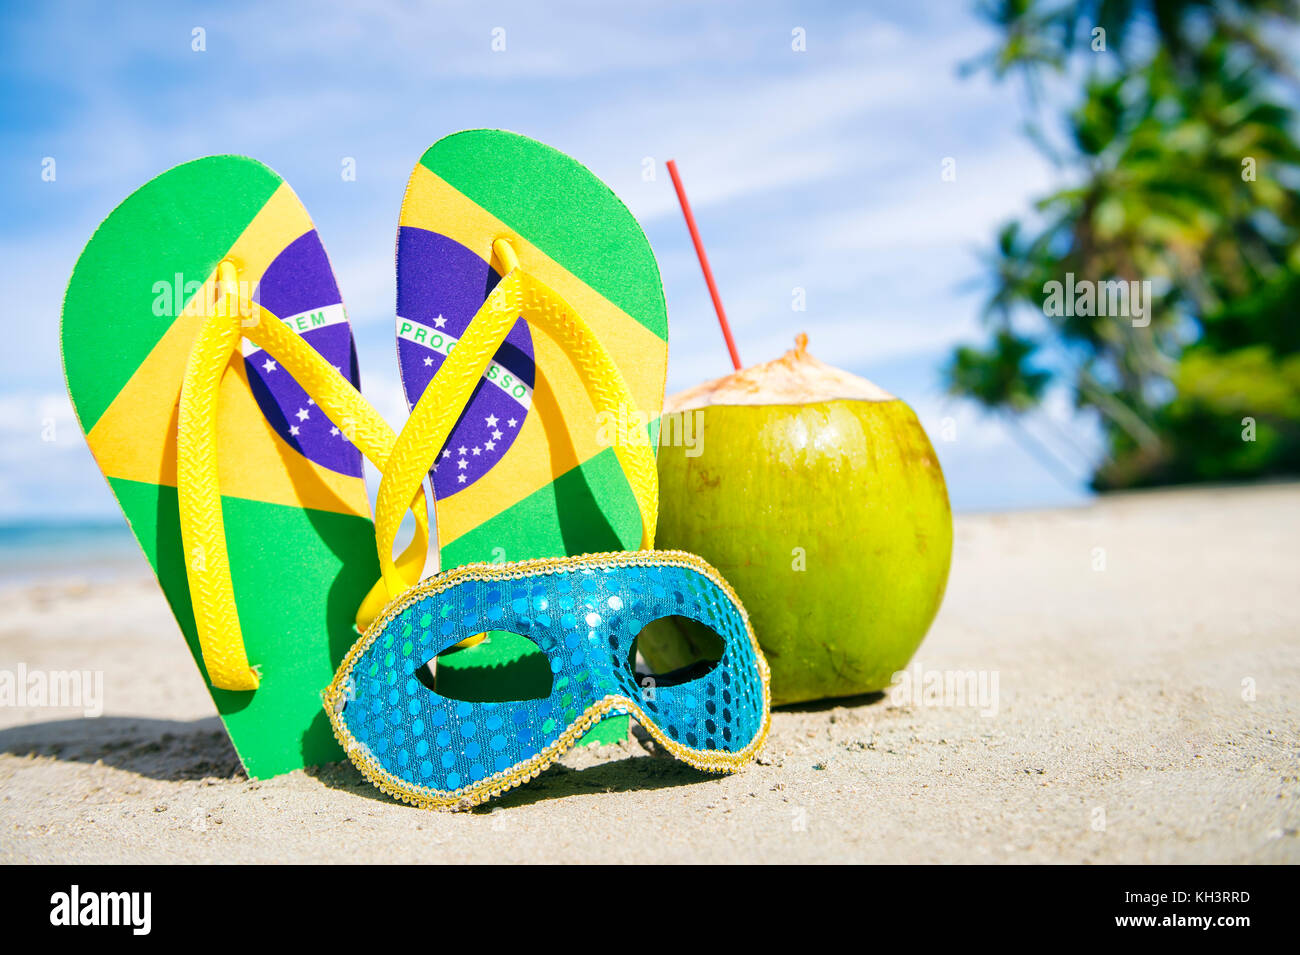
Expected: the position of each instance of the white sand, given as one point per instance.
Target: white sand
(1121, 732)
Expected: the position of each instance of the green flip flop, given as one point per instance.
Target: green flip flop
(529, 470)
(297, 520)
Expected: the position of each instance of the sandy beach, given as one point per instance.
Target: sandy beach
(1140, 661)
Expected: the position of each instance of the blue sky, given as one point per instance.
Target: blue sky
(818, 170)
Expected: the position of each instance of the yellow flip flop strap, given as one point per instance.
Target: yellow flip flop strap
(517, 295)
(203, 532)
(361, 425)
(198, 492)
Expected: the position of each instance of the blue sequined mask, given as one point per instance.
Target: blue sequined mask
(584, 613)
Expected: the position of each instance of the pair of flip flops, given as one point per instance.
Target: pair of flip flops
(211, 364)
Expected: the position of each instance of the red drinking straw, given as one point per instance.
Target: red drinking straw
(704, 262)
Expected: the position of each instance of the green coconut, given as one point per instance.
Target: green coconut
(819, 497)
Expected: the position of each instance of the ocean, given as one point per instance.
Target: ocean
(32, 551)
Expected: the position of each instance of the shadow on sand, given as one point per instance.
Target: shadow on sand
(159, 749)
(821, 706)
(175, 751)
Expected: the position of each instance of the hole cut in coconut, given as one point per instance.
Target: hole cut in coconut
(674, 650)
(796, 378)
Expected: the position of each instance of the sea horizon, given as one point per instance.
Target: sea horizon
(36, 549)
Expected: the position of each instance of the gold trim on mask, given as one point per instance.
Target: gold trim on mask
(466, 797)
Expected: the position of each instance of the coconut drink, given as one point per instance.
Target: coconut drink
(819, 496)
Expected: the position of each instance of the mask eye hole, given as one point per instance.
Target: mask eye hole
(504, 668)
(674, 650)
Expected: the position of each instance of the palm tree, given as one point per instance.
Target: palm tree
(1182, 163)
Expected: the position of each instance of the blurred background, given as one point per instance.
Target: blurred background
(902, 182)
